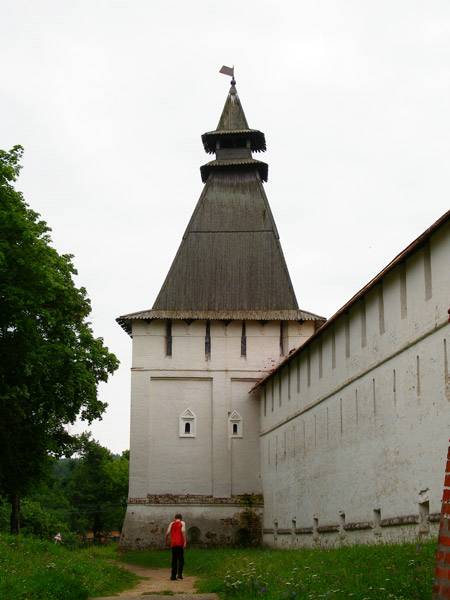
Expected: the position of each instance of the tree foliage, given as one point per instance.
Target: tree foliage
(76, 496)
(50, 361)
(98, 489)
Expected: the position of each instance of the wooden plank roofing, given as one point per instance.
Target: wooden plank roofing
(232, 117)
(230, 257)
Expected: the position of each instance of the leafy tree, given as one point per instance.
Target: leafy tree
(50, 361)
(98, 489)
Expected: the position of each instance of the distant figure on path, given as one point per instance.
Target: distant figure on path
(177, 533)
(58, 538)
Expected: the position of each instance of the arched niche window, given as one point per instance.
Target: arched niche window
(188, 424)
(235, 424)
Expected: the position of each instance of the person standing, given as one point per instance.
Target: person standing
(177, 534)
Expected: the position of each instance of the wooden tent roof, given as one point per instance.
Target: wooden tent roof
(230, 260)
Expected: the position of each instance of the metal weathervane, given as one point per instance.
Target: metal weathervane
(228, 71)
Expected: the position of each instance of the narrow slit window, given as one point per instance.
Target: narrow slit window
(208, 340)
(394, 385)
(374, 398)
(417, 375)
(403, 292)
(282, 348)
(187, 427)
(168, 337)
(381, 322)
(427, 271)
(320, 360)
(363, 323)
(333, 349)
(347, 336)
(289, 380)
(308, 367)
(243, 340)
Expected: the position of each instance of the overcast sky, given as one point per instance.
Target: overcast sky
(109, 99)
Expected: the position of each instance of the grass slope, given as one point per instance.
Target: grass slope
(33, 569)
(395, 572)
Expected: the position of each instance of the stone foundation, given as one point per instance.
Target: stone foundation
(400, 529)
(209, 521)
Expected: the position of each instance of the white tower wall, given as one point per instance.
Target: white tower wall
(203, 476)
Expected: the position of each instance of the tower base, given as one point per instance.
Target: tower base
(209, 521)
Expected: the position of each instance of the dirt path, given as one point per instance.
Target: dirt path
(156, 582)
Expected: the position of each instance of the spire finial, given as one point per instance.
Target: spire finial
(229, 71)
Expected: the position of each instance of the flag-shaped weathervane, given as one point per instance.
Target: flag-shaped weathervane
(228, 71)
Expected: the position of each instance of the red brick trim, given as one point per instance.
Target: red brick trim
(441, 587)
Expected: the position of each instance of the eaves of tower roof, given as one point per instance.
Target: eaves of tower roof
(237, 163)
(254, 136)
(125, 321)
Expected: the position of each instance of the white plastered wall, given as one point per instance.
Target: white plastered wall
(361, 421)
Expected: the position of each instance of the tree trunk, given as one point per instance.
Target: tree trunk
(97, 528)
(14, 521)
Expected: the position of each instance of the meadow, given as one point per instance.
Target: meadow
(35, 569)
(396, 572)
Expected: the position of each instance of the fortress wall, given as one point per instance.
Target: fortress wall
(354, 429)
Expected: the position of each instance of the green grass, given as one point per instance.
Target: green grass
(33, 569)
(381, 572)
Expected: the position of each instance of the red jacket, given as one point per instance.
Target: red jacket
(176, 531)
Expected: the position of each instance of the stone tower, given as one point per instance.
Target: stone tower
(225, 314)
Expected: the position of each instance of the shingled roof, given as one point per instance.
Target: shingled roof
(230, 257)
(230, 260)
(232, 117)
(233, 126)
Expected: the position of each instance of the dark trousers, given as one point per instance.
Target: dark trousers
(177, 561)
